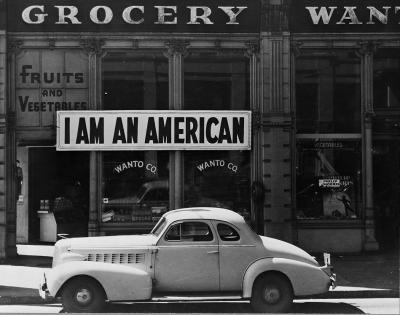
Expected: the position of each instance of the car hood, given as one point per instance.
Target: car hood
(109, 242)
(281, 249)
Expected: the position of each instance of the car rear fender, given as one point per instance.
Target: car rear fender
(120, 282)
(306, 279)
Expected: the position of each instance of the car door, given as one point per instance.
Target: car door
(236, 253)
(187, 258)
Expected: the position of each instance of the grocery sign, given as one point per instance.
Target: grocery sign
(203, 16)
(153, 130)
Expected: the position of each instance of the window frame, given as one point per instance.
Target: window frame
(164, 237)
(230, 226)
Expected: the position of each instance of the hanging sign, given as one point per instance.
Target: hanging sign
(153, 130)
(203, 16)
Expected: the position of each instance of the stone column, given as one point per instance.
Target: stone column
(8, 196)
(3, 174)
(93, 47)
(257, 202)
(367, 77)
(276, 121)
(176, 51)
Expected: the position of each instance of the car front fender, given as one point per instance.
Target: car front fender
(306, 279)
(120, 282)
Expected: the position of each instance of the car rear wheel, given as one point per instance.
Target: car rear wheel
(272, 293)
(83, 294)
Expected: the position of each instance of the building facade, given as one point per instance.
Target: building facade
(322, 167)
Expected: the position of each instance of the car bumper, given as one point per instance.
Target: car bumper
(43, 290)
(328, 270)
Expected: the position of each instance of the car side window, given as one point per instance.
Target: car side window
(190, 232)
(227, 233)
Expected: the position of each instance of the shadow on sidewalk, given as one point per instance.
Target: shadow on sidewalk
(226, 307)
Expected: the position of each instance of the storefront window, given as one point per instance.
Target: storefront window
(135, 186)
(216, 82)
(386, 79)
(328, 92)
(132, 81)
(217, 178)
(328, 179)
(135, 183)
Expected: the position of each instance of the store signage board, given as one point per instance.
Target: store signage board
(171, 16)
(153, 130)
(315, 16)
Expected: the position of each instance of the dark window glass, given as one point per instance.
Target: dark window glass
(216, 82)
(190, 232)
(217, 178)
(133, 81)
(174, 233)
(328, 92)
(328, 179)
(132, 191)
(227, 233)
(387, 79)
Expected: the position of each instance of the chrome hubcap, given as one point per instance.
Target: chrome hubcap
(271, 295)
(83, 296)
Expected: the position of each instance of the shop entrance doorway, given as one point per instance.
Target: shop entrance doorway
(386, 192)
(58, 194)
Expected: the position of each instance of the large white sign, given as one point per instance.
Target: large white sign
(153, 130)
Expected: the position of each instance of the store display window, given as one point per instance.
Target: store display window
(134, 183)
(135, 81)
(328, 92)
(216, 82)
(135, 186)
(217, 178)
(386, 79)
(328, 179)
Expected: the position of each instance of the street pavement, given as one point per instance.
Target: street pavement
(367, 283)
(308, 306)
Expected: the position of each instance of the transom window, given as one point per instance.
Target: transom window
(189, 232)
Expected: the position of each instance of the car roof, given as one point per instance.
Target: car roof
(204, 213)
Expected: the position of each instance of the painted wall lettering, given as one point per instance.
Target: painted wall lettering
(51, 99)
(343, 16)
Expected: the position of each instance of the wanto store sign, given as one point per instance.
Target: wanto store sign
(313, 16)
(153, 130)
(201, 16)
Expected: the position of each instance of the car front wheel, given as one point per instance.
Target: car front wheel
(83, 294)
(272, 293)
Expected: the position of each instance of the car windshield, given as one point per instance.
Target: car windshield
(159, 227)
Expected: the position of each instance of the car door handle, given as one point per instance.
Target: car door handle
(213, 252)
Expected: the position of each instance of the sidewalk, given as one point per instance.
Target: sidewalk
(365, 275)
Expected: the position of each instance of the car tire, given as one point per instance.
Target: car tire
(272, 293)
(83, 295)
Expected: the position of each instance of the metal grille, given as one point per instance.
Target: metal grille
(117, 258)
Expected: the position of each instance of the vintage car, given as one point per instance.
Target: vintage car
(190, 252)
